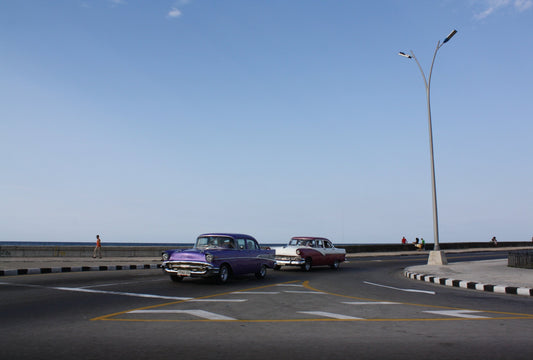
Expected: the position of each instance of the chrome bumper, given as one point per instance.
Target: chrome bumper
(290, 262)
(190, 268)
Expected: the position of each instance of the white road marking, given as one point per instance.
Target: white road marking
(395, 288)
(459, 313)
(122, 283)
(121, 293)
(256, 292)
(199, 313)
(330, 315)
(370, 303)
(217, 300)
(92, 291)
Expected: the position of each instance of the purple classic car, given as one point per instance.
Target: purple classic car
(219, 255)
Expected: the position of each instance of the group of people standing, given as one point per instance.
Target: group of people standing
(420, 244)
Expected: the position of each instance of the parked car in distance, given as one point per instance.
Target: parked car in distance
(307, 251)
(219, 255)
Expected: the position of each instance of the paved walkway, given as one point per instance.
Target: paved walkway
(487, 275)
(23, 266)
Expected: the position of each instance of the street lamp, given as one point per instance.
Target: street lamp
(436, 257)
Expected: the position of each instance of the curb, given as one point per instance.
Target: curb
(48, 270)
(500, 289)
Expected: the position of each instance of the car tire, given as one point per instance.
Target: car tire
(223, 274)
(307, 266)
(335, 265)
(176, 278)
(261, 274)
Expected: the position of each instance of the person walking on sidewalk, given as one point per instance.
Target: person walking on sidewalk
(98, 248)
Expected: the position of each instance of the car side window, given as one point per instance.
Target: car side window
(328, 244)
(241, 244)
(319, 244)
(228, 244)
(250, 244)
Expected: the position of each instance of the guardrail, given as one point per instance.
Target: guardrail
(155, 251)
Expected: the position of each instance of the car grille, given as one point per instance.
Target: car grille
(287, 258)
(192, 266)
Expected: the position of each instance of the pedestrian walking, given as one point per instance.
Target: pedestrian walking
(98, 248)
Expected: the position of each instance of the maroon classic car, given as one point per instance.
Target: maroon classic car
(219, 255)
(307, 251)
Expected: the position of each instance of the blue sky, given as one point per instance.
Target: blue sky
(155, 121)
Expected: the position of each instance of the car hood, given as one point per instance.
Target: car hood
(189, 254)
(286, 250)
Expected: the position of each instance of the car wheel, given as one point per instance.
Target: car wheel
(335, 265)
(307, 265)
(176, 278)
(277, 267)
(261, 274)
(223, 274)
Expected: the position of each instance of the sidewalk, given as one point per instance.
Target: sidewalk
(24, 266)
(487, 275)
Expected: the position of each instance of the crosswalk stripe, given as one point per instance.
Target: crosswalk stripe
(330, 315)
(459, 313)
(199, 313)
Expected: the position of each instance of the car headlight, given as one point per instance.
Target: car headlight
(209, 257)
(298, 252)
(165, 256)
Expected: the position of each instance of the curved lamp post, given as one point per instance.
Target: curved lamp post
(436, 256)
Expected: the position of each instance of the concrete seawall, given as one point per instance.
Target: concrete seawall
(155, 251)
(80, 251)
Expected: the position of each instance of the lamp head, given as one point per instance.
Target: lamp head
(404, 55)
(450, 35)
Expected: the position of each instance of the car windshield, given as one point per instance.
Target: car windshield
(300, 242)
(205, 242)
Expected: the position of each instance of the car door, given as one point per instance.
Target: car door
(331, 252)
(253, 252)
(321, 257)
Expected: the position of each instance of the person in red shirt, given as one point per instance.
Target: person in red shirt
(98, 248)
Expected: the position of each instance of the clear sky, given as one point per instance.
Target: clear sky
(155, 121)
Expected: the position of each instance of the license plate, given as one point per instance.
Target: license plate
(184, 273)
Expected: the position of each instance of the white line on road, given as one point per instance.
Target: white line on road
(330, 315)
(370, 303)
(256, 292)
(395, 288)
(217, 300)
(458, 313)
(93, 291)
(121, 283)
(199, 313)
(121, 293)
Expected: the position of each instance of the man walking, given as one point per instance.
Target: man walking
(98, 248)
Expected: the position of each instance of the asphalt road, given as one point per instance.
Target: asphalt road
(366, 310)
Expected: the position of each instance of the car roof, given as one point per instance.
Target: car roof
(232, 235)
(308, 238)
